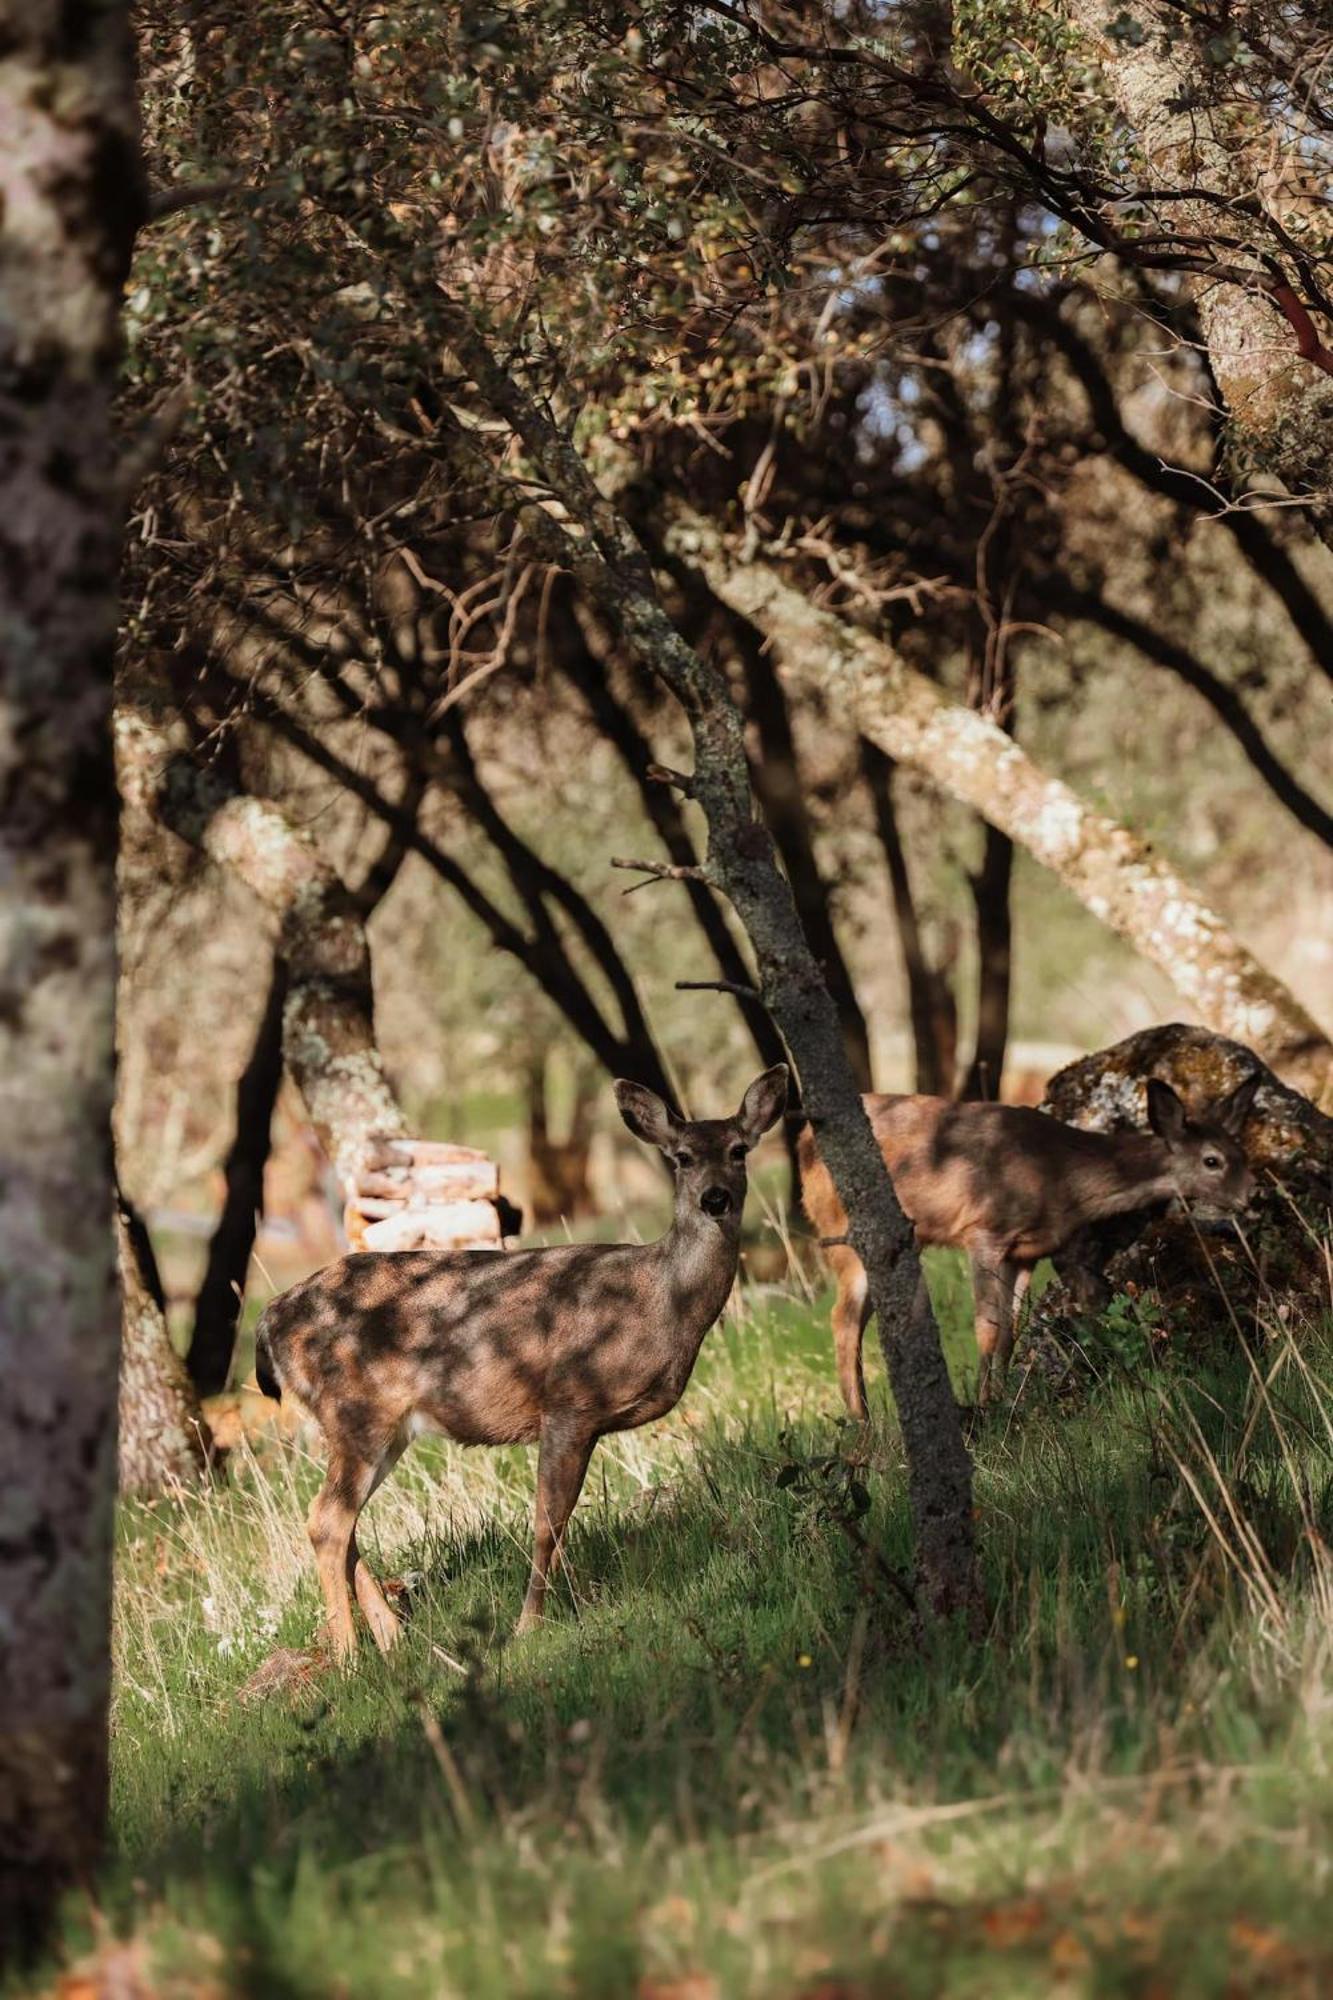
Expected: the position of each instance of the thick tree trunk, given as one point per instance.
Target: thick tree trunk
(1279, 401)
(163, 1438)
(218, 1306)
(607, 561)
(70, 193)
(1112, 872)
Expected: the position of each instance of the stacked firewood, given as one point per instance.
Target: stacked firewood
(425, 1194)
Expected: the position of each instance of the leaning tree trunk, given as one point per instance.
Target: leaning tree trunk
(70, 195)
(1260, 340)
(328, 1017)
(163, 1438)
(1112, 872)
(398, 1192)
(608, 563)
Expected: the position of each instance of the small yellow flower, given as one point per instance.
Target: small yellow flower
(804, 1660)
(1131, 1661)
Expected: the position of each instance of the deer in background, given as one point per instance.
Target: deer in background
(1010, 1186)
(551, 1347)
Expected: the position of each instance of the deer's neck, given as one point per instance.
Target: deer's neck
(1133, 1170)
(698, 1257)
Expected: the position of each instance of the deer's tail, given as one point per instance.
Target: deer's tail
(265, 1373)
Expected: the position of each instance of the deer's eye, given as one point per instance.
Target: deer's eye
(738, 1155)
(684, 1159)
(1214, 1162)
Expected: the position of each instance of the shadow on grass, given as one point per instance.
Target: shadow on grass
(718, 1675)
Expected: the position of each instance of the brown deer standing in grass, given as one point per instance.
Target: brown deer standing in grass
(1011, 1186)
(554, 1347)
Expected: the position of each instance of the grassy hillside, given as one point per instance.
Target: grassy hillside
(727, 1766)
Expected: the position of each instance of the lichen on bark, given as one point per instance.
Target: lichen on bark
(70, 194)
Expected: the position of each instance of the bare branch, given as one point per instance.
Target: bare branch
(715, 985)
(657, 871)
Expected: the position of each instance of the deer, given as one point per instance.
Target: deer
(1010, 1185)
(556, 1347)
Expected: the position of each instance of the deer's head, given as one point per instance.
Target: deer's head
(1207, 1159)
(707, 1155)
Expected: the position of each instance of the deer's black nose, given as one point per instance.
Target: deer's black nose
(715, 1201)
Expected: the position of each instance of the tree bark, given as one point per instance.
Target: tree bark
(930, 1001)
(607, 562)
(328, 1016)
(776, 777)
(990, 895)
(163, 1438)
(1279, 401)
(1113, 873)
(70, 194)
(218, 1306)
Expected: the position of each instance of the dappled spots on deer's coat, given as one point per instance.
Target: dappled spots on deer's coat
(1011, 1185)
(562, 1345)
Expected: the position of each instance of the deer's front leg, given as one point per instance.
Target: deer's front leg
(993, 1278)
(851, 1310)
(562, 1464)
(1018, 1291)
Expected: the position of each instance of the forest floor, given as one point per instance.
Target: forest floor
(727, 1766)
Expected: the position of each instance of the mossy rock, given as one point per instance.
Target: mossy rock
(1108, 1092)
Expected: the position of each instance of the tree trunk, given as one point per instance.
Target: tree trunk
(557, 1168)
(990, 894)
(328, 1017)
(930, 1001)
(1279, 401)
(218, 1306)
(70, 189)
(1112, 872)
(776, 777)
(163, 1437)
(606, 560)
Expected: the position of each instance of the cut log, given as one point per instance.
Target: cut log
(463, 1180)
(454, 1225)
(423, 1194)
(385, 1151)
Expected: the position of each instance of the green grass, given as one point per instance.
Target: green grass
(727, 1765)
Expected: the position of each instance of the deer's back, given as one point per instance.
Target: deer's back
(961, 1171)
(479, 1344)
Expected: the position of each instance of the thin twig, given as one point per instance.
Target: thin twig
(657, 871)
(718, 986)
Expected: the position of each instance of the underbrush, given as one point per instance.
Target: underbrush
(730, 1764)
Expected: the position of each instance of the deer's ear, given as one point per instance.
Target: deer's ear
(1235, 1107)
(763, 1104)
(1166, 1113)
(645, 1114)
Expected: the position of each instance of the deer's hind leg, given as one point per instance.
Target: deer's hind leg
(994, 1277)
(353, 1474)
(851, 1312)
(1009, 1331)
(384, 1622)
